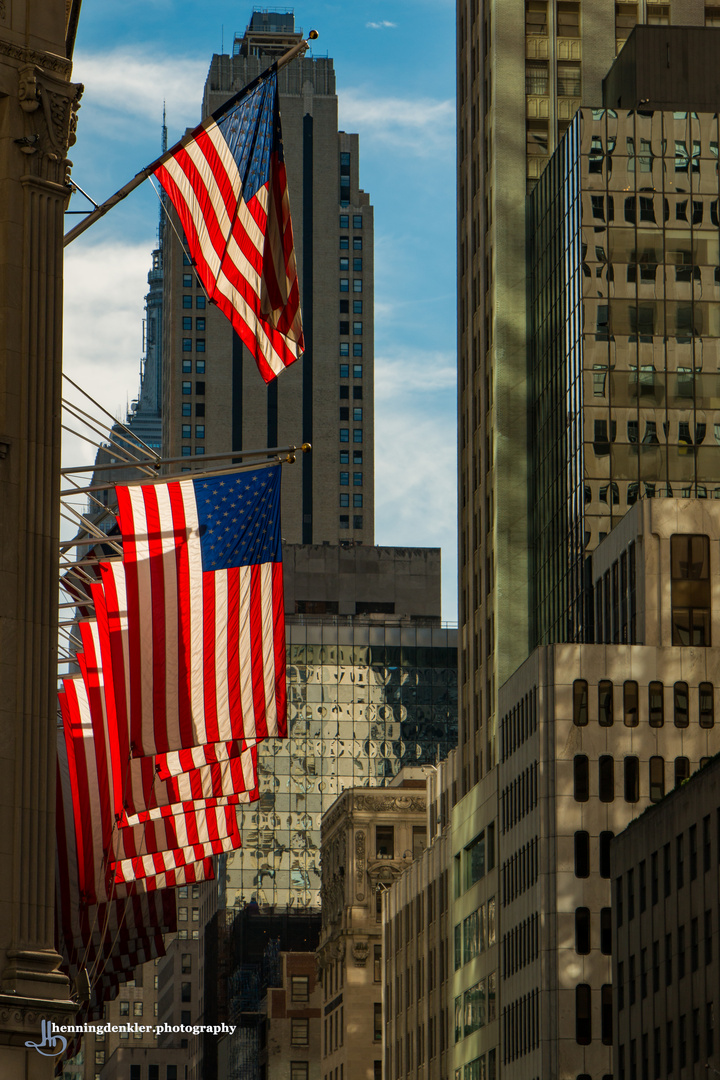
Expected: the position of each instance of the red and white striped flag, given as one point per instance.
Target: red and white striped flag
(195, 612)
(229, 187)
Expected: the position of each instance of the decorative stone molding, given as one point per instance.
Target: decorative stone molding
(402, 804)
(48, 61)
(50, 104)
(360, 951)
(360, 865)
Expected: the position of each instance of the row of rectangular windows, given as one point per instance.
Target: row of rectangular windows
(345, 457)
(345, 329)
(345, 479)
(669, 1046)
(345, 264)
(357, 500)
(356, 243)
(187, 408)
(187, 323)
(356, 221)
(655, 704)
(357, 413)
(357, 371)
(186, 432)
(345, 435)
(357, 285)
(187, 367)
(357, 350)
(345, 307)
(187, 300)
(187, 344)
(476, 933)
(345, 521)
(666, 869)
(631, 784)
(357, 393)
(680, 958)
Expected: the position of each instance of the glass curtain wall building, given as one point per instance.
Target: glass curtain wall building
(366, 697)
(625, 345)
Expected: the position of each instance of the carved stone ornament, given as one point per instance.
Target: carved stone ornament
(51, 106)
(359, 865)
(402, 804)
(360, 952)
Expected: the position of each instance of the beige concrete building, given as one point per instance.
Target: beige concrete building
(213, 397)
(590, 736)
(418, 947)
(666, 970)
(369, 837)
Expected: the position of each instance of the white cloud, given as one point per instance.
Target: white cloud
(105, 287)
(380, 25)
(422, 126)
(131, 84)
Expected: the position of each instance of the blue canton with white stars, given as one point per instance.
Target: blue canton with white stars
(239, 517)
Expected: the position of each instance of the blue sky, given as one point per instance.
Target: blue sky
(394, 62)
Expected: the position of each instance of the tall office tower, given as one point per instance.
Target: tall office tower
(523, 69)
(213, 397)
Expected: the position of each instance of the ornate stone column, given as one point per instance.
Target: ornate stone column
(38, 104)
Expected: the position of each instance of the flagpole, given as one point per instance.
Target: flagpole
(124, 191)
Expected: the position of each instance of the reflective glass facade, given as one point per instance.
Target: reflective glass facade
(642, 420)
(365, 698)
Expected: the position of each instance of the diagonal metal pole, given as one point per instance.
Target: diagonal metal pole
(125, 190)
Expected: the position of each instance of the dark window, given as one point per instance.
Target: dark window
(583, 1022)
(693, 852)
(631, 893)
(581, 778)
(706, 843)
(606, 778)
(708, 937)
(605, 703)
(605, 838)
(668, 959)
(582, 930)
(606, 1014)
(656, 966)
(606, 931)
(632, 779)
(654, 878)
(200, 387)
(657, 778)
(656, 709)
(582, 854)
(679, 862)
(690, 567)
(682, 770)
(706, 702)
(619, 906)
(680, 704)
(384, 841)
(681, 952)
(642, 885)
(580, 702)
(666, 870)
(694, 945)
(630, 703)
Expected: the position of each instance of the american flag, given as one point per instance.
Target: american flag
(137, 791)
(229, 187)
(197, 608)
(104, 851)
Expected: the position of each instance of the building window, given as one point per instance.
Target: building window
(357, 500)
(357, 221)
(186, 431)
(298, 1070)
(344, 435)
(344, 371)
(137, 1008)
(345, 284)
(344, 243)
(187, 281)
(657, 778)
(606, 777)
(187, 388)
(357, 415)
(690, 570)
(606, 1014)
(199, 367)
(344, 499)
(357, 307)
(606, 931)
(186, 408)
(344, 351)
(357, 521)
(357, 287)
(344, 479)
(200, 302)
(706, 702)
(630, 704)
(580, 702)
(583, 1022)
(344, 328)
(187, 322)
(187, 367)
(377, 1022)
(187, 302)
(186, 451)
(582, 930)
(299, 1031)
(357, 349)
(124, 1008)
(344, 410)
(345, 263)
(199, 431)
(605, 703)
(200, 387)
(186, 991)
(344, 221)
(199, 344)
(357, 371)
(357, 435)
(200, 324)
(384, 841)
(299, 987)
(632, 779)
(344, 521)
(187, 344)
(581, 778)
(656, 704)
(680, 704)
(582, 854)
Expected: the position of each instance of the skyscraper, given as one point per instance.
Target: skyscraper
(213, 398)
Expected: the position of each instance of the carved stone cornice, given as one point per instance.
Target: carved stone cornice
(378, 870)
(400, 804)
(49, 61)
